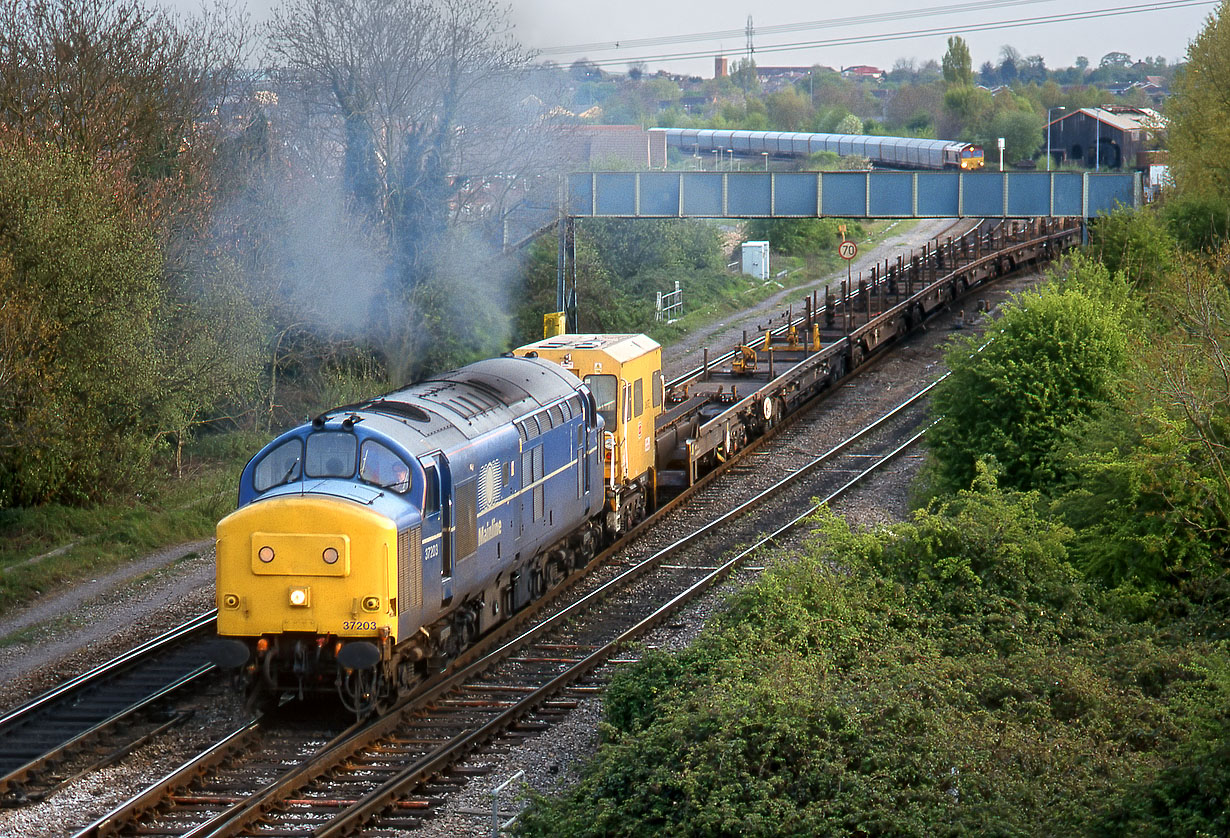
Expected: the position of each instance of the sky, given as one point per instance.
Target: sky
(685, 36)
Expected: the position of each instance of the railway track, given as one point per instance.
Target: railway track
(688, 366)
(93, 720)
(389, 775)
(222, 804)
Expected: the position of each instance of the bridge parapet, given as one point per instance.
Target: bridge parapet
(874, 194)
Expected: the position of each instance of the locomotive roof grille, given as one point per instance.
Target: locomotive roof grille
(410, 411)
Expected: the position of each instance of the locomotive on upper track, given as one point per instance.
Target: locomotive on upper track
(374, 543)
(895, 152)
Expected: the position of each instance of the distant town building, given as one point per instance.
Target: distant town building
(721, 68)
(773, 79)
(864, 72)
(1109, 138)
(611, 146)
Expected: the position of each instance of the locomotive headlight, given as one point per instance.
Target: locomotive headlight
(299, 597)
(265, 554)
(329, 555)
(230, 601)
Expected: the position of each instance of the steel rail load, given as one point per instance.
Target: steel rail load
(714, 411)
(895, 152)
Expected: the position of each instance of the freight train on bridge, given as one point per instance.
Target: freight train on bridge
(889, 152)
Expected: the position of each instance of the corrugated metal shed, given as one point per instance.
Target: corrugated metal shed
(1109, 137)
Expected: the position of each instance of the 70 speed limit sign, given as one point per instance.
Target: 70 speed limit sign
(847, 250)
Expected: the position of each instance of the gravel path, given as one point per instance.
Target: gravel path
(74, 630)
(69, 633)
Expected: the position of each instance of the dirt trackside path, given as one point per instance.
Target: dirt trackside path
(73, 630)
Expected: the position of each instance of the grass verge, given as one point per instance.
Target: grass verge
(42, 548)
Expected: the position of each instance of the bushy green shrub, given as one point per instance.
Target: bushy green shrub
(83, 320)
(1135, 243)
(801, 236)
(1198, 222)
(948, 676)
(1056, 356)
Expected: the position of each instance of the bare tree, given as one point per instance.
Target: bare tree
(124, 83)
(428, 101)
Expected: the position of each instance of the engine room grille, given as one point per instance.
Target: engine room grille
(467, 519)
(409, 575)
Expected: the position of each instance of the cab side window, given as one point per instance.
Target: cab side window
(605, 390)
(431, 492)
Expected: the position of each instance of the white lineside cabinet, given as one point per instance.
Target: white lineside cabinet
(756, 259)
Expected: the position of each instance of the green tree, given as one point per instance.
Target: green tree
(957, 65)
(850, 124)
(1144, 483)
(915, 109)
(84, 313)
(124, 83)
(788, 110)
(1198, 222)
(1199, 114)
(963, 110)
(1134, 243)
(745, 77)
(1056, 356)
(800, 236)
(620, 266)
(1021, 130)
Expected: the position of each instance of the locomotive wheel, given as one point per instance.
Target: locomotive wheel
(257, 696)
(386, 695)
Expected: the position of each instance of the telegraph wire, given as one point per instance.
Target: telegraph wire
(831, 23)
(1066, 17)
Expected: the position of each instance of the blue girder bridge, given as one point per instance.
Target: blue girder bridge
(870, 194)
(873, 194)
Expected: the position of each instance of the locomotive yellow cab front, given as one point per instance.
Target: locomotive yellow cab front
(307, 570)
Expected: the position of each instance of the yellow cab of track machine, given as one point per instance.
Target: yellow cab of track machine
(306, 564)
(624, 373)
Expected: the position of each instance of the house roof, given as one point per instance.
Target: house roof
(862, 70)
(1123, 118)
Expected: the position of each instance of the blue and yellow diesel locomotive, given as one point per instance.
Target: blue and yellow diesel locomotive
(374, 543)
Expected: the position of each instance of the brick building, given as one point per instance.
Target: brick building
(611, 147)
